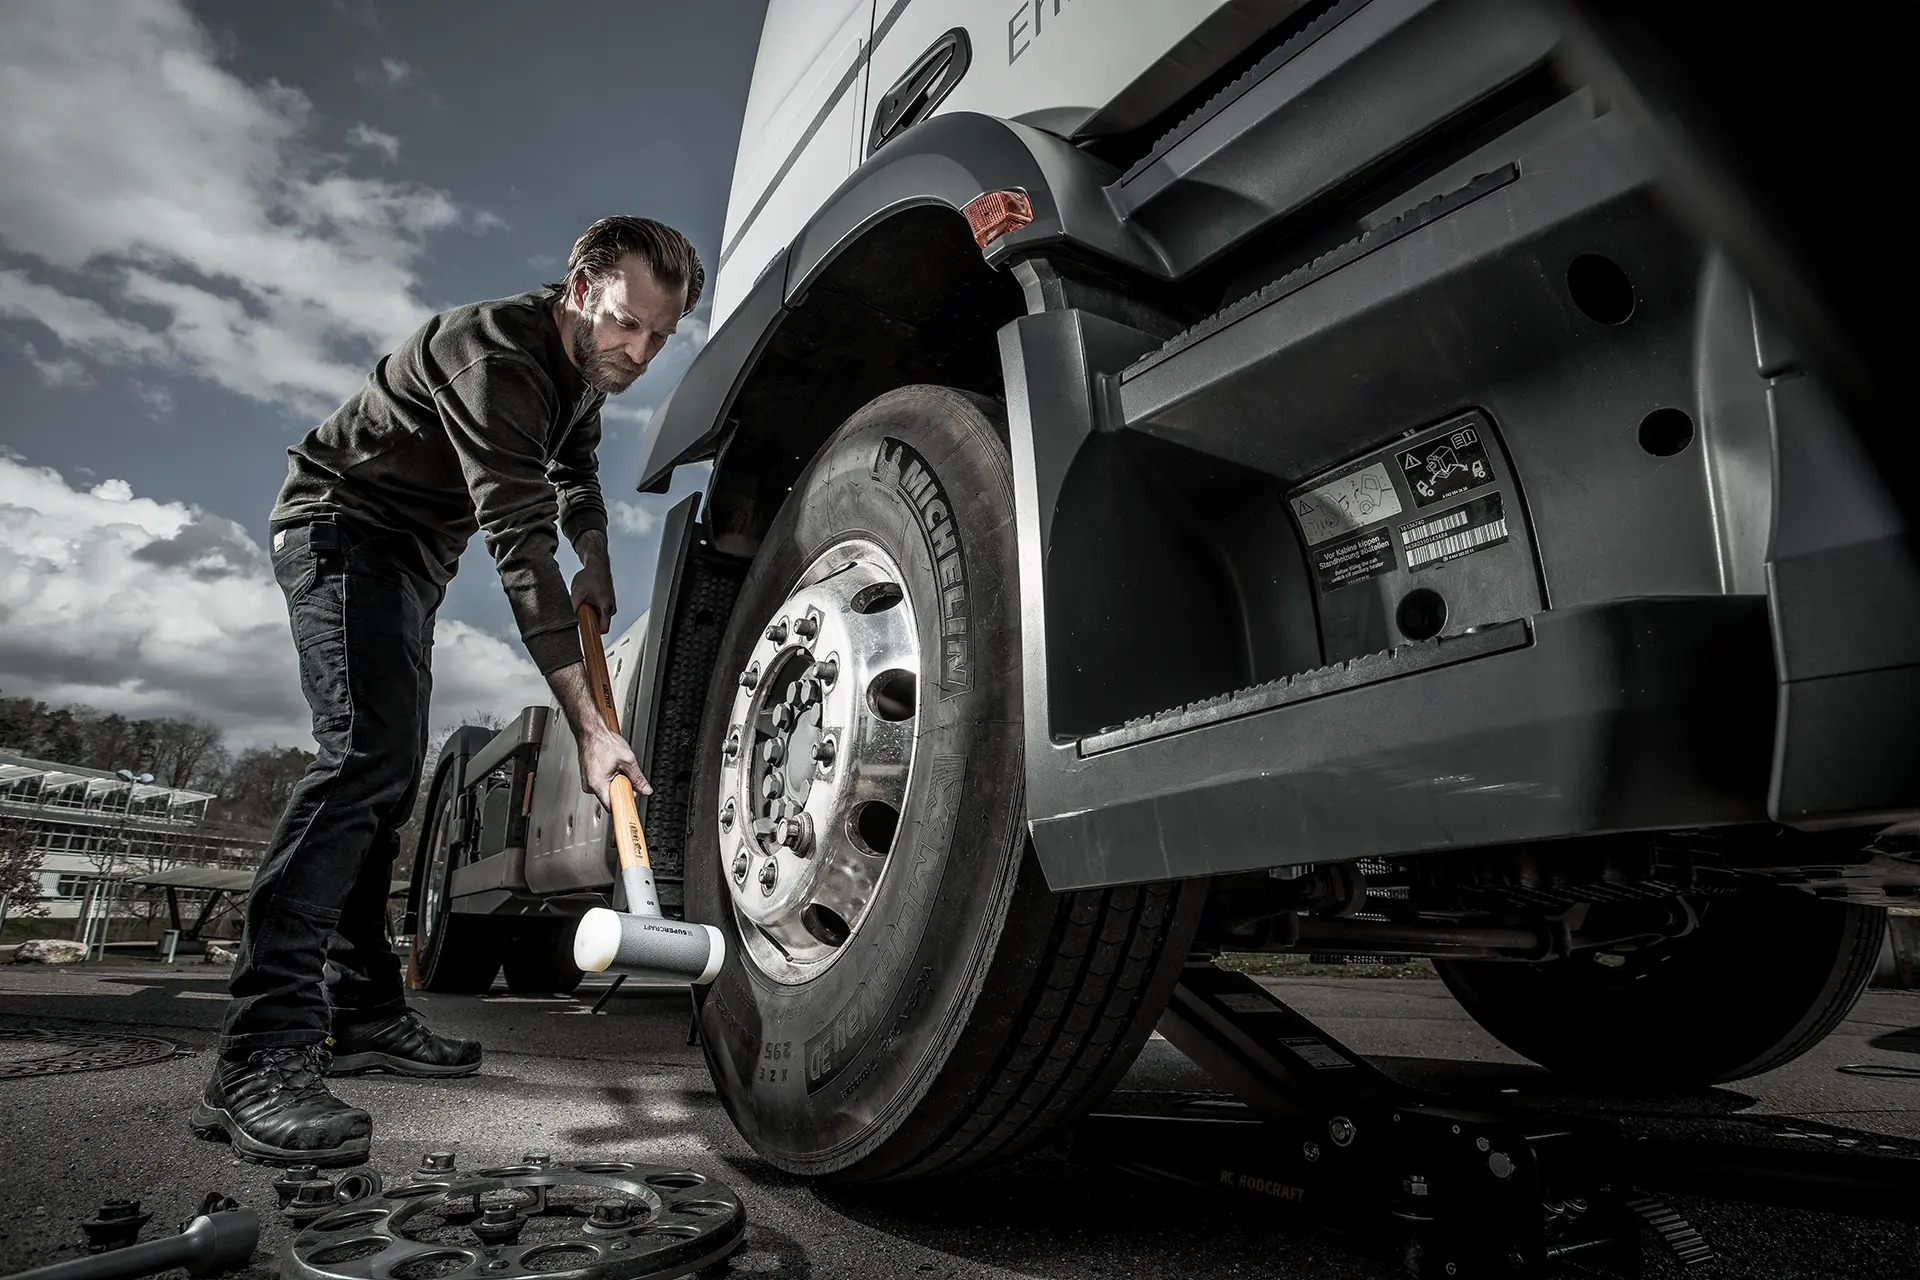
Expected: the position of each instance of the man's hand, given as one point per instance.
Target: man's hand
(604, 754)
(594, 583)
(603, 757)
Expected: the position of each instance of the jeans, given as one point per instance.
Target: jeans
(315, 948)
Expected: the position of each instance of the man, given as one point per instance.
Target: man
(487, 417)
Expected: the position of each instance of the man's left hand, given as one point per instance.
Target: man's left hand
(594, 583)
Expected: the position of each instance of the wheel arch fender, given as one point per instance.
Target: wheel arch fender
(885, 286)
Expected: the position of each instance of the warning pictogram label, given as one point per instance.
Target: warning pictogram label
(1445, 465)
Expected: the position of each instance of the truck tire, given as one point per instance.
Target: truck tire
(1767, 975)
(452, 951)
(903, 996)
(538, 959)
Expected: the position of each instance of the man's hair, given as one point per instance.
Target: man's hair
(669, 255)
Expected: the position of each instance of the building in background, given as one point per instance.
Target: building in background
(89, 824)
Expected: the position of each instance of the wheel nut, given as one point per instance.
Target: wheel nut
(499, 1224)
(726, 817)
(608, 1216)
(289, 1182)
(772, 785)
(795, 835)
(740, 865)
(823, 752)
(750, 677)
(773, 751)
(769, 875)
(313, 1198)
(808, 627)
(115, 1225)
(435, 1164)
(732, 749)
(806, 691)
(778, 632)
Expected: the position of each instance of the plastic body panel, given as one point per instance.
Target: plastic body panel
(1845, 589)
(1639, 714)
(1318, 118)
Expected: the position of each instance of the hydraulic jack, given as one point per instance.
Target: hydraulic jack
(1459, 1190)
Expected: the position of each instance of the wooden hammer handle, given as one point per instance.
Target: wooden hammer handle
(626, 812)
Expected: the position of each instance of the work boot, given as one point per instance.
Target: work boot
(403, 1045)
(275, 1108)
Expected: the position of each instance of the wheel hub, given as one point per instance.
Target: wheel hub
(815, 763)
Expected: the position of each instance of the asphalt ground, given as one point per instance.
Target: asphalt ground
(626, 1085)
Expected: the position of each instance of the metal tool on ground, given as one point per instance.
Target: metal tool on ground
(1463, 1189)
(208, 1245)
(638, 941)
(607, 1219)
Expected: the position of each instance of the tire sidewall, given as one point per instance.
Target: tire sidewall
(819, 1074)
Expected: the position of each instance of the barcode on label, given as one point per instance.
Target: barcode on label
(1459, 542)
(1432, 528)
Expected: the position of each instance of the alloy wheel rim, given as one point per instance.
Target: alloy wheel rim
(816, 761)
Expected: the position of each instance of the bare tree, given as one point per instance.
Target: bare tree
(181, 746)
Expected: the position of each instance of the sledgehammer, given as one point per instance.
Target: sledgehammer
(638, 941)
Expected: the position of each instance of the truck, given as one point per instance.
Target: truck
(1187, 477)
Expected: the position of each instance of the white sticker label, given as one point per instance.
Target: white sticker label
(1352, 502)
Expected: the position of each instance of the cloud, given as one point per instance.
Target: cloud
(632, 518)
(61, 371)
(613, 411)
(160, 212)
(158, 608)
(396, 71)
(364, 135)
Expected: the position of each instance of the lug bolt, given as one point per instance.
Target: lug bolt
(769, 874)
(778, 632)
(732, 749)
(823, 753)
(772, 785)
(726, 817)
(750, 677)
(806, 691)
(783, 718)
(808, 627)
(828, 671)
(435, 1165)
(740, 865)
(773, 751)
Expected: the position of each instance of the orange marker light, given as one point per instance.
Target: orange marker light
(995, 213)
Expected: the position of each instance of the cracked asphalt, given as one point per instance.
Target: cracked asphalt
(626, 1085)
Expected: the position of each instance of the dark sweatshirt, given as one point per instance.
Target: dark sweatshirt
(477, 421)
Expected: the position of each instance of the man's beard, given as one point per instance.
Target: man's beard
(607, 371)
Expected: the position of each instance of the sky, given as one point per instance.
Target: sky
(216, 215)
